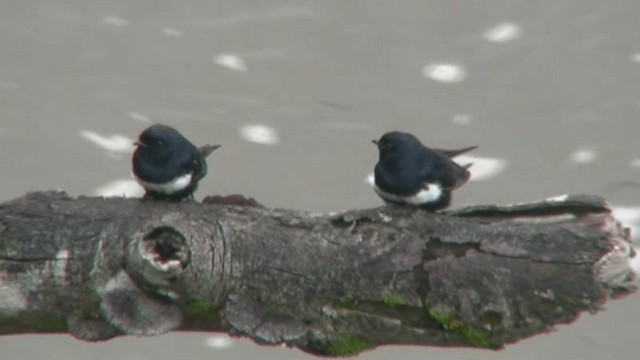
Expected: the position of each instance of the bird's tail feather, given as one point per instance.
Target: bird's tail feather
(454, 153)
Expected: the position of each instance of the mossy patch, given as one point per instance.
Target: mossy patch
(201, 315)
(53, 324)
(348, 344)
(470, 335)
(350, 304)
(394, 301)
(200, 308)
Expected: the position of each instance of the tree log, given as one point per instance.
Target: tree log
(330, 284)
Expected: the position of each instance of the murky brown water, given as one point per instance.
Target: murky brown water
(550, 90)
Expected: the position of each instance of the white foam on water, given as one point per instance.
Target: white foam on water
(503, 32)
(260, 134)
(138, 116)
(461, 119)
(172, 32)
(120, 188)
(220, 342)
(583, 156)
(483, 168)
(115, 21)
(231, 61)
(445, 72)
(115, 144)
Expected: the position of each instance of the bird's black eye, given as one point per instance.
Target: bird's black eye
(160, 142)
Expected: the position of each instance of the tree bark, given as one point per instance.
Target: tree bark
(331, 284)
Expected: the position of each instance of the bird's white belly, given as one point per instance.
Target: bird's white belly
(431, 193)
(173, 186)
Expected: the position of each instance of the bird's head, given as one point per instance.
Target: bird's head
(396, 142)
(158, 142)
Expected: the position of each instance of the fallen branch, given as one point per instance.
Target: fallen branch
(332, 284)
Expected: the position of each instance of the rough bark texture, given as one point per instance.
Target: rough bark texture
(331, 284)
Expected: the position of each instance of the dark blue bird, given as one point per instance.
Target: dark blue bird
(167, 165)
(409, 173)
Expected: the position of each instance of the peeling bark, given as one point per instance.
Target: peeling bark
(331, 284)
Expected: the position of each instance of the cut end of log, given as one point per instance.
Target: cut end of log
(162, 254)
(166, 250)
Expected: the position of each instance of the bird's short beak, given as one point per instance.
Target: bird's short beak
(138, 143)
(375, 142)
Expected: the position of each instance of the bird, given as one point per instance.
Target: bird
(167, 165)
(409, 173)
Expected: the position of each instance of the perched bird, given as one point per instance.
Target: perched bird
(167, 165)
(409, 173)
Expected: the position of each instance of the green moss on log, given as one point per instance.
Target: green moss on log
(394, 301)
(53, 324)
(348, 344)
(200, 308)
(350, 304)
(467, 333)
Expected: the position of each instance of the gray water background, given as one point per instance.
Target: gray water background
(555, 96)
